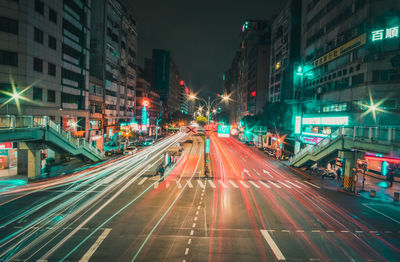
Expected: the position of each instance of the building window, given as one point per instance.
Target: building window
(38, 35)
(52, 15)
(52, 69)
(8, 25)
(52, 42)
(37, 94)
(37, 64)
(51, 96)
(8, 58)
(344, 72)
(39, 7)
(358, 67)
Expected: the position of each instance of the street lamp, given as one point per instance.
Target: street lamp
(208, 103)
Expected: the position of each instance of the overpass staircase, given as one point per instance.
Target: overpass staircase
(42, 130)
(361, 139)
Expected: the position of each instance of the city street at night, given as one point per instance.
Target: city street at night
(251, 209)
(192, 131)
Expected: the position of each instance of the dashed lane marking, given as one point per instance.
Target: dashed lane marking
(222, 184)
(243, 183)
(262, 183)
(142, 181)
(272, 245)
(311, 184)
(254, 184)
(284, 184)
(86, 257)
(211, 183)
(189, 241)
(293, 184)
(278, 186)
(233, 184)
(186, 251)
(191, 232)
(200, 184)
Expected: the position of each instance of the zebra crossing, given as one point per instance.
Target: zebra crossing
(224, 184)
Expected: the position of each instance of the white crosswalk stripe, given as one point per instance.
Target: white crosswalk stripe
(272, 183)
(233, 184)
(211, 183)
(254, 184)
(200, 184)
(243, 183)
(222, 184)
(178, 183)
(268, 173)
(284, 184)
(293, 184)
(255, 171)
(262, 183)
(189, 183)
(142, 181)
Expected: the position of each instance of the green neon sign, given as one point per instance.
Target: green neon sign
(388, 33)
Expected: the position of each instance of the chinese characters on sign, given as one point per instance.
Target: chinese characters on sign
(387, 33)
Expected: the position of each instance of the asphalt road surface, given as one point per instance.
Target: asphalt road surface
(252, 209)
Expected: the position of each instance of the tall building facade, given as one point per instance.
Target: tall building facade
(231, 88)
(254, 66)
(351, 66)
(113, 46)
(285, 52)
(44, 54)
(165, 80)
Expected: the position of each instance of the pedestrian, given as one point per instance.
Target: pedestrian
(390, 177)
(339, 174)
(162, 171)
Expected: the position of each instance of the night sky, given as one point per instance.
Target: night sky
(202, 35)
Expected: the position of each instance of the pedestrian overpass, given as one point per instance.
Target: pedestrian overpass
(34, 133)
(349, 143)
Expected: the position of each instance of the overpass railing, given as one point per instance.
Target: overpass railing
(368, 134)
(19, 122)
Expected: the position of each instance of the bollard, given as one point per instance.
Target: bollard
(372, 193)
(396, 196)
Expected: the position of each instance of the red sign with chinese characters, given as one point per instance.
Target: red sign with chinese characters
(6, 145)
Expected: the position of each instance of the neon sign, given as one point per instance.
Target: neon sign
(387, 33)
(297, 127)
(331, 121)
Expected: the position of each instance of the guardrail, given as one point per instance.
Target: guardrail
(367, 134)
(16, 122)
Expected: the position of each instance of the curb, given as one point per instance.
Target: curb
(295, 170)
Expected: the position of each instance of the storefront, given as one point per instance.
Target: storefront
(8, 155)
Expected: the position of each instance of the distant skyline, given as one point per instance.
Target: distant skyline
(203, 36)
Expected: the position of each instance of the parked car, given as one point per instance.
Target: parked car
(328, 174)
(130, 150)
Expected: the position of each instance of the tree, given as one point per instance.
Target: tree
(201, 120)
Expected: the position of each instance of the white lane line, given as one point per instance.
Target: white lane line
(359, 231)
(194, 225)
(255, 171)
(189, 183)
(211, 183)
(198, 207)
(243, 183)
(142, 181)
(284, 184)
(285, 231)
(262, 183)
(96, 245)
(278, 186)
(330, 231)
(178, 184)
(366, 205)
(200, 184)
(300, 231)
(254, 184)
(156, 185)
(293, 184)
(197, 213)
(268, 173)
(247, 172)
(344, 231)
(191, 232)
(189, 241)
(315, 231)
(311, 184)
(233, 184)
(302, 184)
(272, 245)
(222, 184)
(186, 251)
(195, 219)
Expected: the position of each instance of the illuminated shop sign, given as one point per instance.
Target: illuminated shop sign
(310, 140)
(297, 127)
(328, 121)
(342, 50)
(387, 33)
(223, 131)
